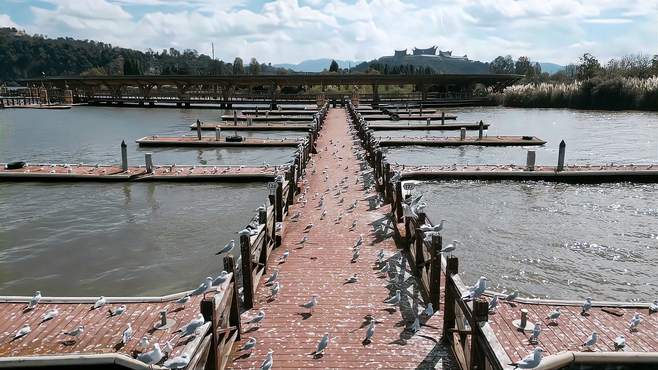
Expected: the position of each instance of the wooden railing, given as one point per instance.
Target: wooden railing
(465, 326)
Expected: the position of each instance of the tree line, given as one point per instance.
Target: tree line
(30, 56)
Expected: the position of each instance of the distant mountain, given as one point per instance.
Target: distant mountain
(550, 67)
(317, 65)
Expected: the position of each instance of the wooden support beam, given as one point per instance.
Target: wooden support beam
(435, 271)
(247, 271)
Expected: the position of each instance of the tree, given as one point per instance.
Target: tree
(238, 66)
(502, 65)
(523, 67)
(254, 67)
(588, 67)
(333, 67)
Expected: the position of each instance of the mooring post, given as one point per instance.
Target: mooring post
(198, 129)
(530, 160)
(256, 111)
(378, 166)
(208, 311)
(124, 156)
(421, 109)
(443, 118)
(218, 133)
(480, 315)
(419, 241)
(388, 187)
(247, 271)
(452, 268)
(250, 121)
(481, 130)
(560, 155)
(235, 117)
(397, 207)
(148, 160)
(234, 315)
(462, 134)
(429, 121)
(435, 271)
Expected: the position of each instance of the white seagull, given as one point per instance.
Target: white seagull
(534, 338)
(591, 341)
(221, 278)
(635, 322)
(267, 363)
(203, 287)
(322, 345)
(99, 303)
(476, 290)
(553, 315)
(50, 314)
(34, 300)
(258, 318)
(587, 305)
(531, 361)
(620, 343)
(272, 278)
(178, 362)
(311, 303)
(227, 248)
(248, 345)
(23, 331)
(192, 326)
(151, 357)
(127, 334)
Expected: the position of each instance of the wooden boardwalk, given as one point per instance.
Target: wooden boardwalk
(321, 265)
(405, 116)
(275, 118)
(425, 127)
(270, 126)
(211, 141)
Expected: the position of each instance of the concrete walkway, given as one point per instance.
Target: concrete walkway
(322, 264)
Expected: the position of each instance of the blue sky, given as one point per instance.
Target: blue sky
(293, 30)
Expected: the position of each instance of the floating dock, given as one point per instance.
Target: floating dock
(425, 127)
(272, 118)
(78, 173)
(571, 173)
(457, 141)
(282, 112)
(207, 141)
(367, 112)
(99, 345)
(283, 126)
(409, 117)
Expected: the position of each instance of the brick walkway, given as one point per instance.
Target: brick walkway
(321, 267)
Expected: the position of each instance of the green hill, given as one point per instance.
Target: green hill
(414, 64)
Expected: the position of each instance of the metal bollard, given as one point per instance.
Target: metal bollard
(560, 156)
(163, 318)
(524, 318)
(148, 159)
(530, 161)
(462, 133)
(124, 156)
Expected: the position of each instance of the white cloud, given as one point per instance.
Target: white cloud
(5, 21)
(293, 30)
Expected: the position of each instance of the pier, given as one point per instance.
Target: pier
(425, 127)
(265, 118)
(276, 126)
(207, 141)
(409, 117)
(461, 141)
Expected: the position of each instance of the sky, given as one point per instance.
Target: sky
(289, 31)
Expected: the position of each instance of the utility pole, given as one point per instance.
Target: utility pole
(213, 50)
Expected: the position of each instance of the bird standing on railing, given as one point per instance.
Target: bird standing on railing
(531, 361)
(476, 290)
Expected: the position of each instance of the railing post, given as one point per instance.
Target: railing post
(480, 315)
(234, 316)
(278, 211)
(397, 207)
(452, 268)
(435, 271)
(247, 271)
(262, 219)
(419, 242)
(208, 311)
(388, 191)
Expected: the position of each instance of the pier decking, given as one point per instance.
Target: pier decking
(283, 126)
(423, 127)
(272, 118)
(110, 173)
(321, 265)
(457, 141)
(571, 173)
(367, 112)
(208, 141)
(405, 116)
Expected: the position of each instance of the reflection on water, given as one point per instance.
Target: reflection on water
(552, 240)
(93, 135)
(117, 239)
(591, 137)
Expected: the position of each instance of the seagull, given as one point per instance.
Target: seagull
(416, 325)
(355, 255)
(620, 343)
(310, 304)
(553, 315)
(272, 278)
(284, 256)
(531, 361)
(359, 241)
(353, 225)
(308, 228)
(430, 228)
(322, 345)
(143, 344)
(653, 308)
(274, 290)
(351, 279)
(476, 290)
(267, 363)
(178, 362)
(227, 248)
(303, 241)
(117, 311)
(635, 322)
(370, 331)
(258, 318)
(192, 326)
(394, 300)
(429, 310)
(450, 247)
(34, 301)
(75, 333)
(587, 305)
(591, 341)
(99, 303)
(183, 300)
(49, 315)
(151, 357)
(493, 304)
(296, 217)
(23, 331)
(248, 345)
(534, 338)
(324, 213)
(512, 296)
(203, 287)
(220, 278)
(127, 334)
